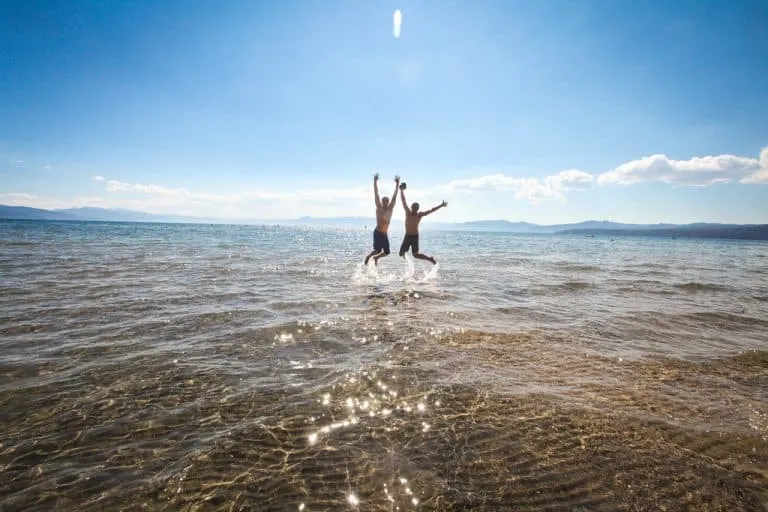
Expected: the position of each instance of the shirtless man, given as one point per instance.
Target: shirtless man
(384, 209)
(412, 219)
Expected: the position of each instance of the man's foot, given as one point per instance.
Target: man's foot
(366, 260)
(433, 260)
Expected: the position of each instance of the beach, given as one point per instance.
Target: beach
(215, 367)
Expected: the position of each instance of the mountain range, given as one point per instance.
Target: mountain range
(589, 228)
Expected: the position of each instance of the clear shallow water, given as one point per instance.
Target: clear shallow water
(233, 367)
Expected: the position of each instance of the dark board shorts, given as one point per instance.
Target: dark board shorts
(410, 241)
(380, 241)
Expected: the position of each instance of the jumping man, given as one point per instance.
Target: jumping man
(384, 209)
(412, 219)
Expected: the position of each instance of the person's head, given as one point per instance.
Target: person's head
(415, 207)
(384, 202)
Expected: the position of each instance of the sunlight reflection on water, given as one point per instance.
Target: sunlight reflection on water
(186, 367)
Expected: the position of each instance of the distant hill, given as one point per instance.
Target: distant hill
(494, 225)
(526, 227)
(604, 224)
(122, 215)
(590, 227)
(26, 213)
(699, 230)
(91, 213)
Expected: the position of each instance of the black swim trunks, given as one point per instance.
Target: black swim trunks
(380, 241)
(410, 241)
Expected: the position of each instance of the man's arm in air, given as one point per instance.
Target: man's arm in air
(376, 190)
(402, 200)
(394, 194)
(433, 210)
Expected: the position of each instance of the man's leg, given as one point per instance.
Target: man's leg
(378, 247)
(420, 256)
(373, 253)
(404, 246)
(379, 256)
(384, 248)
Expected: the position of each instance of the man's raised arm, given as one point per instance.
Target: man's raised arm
(394, 194)
(376, 190)
(432, 210)
(402, 200)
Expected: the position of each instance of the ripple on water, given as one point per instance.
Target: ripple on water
(171, 435)
(184, 367)
(694, 287)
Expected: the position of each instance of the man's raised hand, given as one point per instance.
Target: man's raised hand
(397, 179)
(443, 204)
(376, 177)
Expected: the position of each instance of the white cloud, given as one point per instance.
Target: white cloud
(120, 186)
(494, 188)
(317, 202)
(37, 201)
(397, 21)
(489, 182)
(249, 195)
(571, 180)
(760, 176)
(531, 189)
(242, 204)
(16, 198)
(698, 171)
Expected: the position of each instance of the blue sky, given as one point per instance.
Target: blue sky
(551, 111)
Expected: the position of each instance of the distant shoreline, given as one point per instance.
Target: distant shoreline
(587, 228)
(749, 232)
(756, 232)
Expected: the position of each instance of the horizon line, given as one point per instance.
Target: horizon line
(371, 218)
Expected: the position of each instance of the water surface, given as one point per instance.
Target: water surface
(169, 366)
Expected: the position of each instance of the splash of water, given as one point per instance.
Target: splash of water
(410, 270)
(371, 275)
(410, 275)
(432, 274)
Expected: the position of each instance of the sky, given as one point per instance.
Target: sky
(550, 111)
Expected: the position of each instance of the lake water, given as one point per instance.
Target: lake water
(196, 367)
